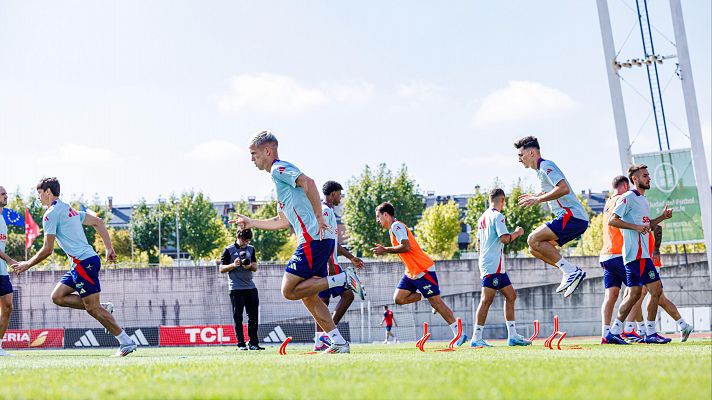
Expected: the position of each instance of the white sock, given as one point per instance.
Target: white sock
(318, 336)
(453, 328)
(0, 343)
(477, 334)
(337, 280)
(616, 327)
(629, 326)
(681, 324)
(565, 266)
(336, 337)
(511, 329)
(123, 338)
(641, 328)
(650, 328)
(604, 330)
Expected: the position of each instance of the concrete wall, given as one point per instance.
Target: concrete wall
(199, 295)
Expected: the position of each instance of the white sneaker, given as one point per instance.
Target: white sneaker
(4, 353)
(125, 349)
(575, 284)
(354, 283)
(110, 308)
(567, 280)
(337, 348)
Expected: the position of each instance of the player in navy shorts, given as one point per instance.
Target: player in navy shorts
(571, 219)
(299, 207)
(80, 287)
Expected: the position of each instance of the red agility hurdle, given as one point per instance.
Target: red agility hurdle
(421, 342)
(549, 341)
(536, 331)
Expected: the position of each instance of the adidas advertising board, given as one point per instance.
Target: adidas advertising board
(97, 337)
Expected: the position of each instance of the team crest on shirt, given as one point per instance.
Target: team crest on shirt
(428, 288)
(651, 274)
(495, 282)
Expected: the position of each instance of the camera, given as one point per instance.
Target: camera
(244, 257)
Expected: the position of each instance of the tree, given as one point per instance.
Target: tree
(269, 243)
(476, 205)
(438, 230)
(592, 240)
(369, 190)
(145, 231)
(529, 218)
(201, 229)
(120, 239)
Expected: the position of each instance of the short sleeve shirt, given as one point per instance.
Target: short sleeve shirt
(239, 278)
(549, 176)
(3, 242)
(65, 223)
(632, 207)
(293, 201)
(490, 227)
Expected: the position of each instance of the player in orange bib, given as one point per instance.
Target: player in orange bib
(611, 260)
(419, 275)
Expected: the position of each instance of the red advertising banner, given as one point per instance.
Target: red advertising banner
(193, 335)
(33, 339)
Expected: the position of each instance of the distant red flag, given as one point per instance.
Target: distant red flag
(31, 229)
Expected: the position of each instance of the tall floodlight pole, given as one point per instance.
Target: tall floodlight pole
(609, 51)
(699, 162)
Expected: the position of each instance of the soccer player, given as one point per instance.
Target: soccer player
(332, 197)
(611, 257)
(5, 285)
(299, 207)
(390, 321)
(63, 224)
(635, 317)
(632, 216)
(419, 276)
(571, 218)
(492, 235)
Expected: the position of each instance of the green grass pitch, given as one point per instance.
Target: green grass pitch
(673, 371)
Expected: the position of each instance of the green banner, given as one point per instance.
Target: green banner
(672, 182)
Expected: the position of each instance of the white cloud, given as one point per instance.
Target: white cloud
(78, 154)
(421, 92)
(214, 151)
(349, 92)
(271, 94)
(521, 101)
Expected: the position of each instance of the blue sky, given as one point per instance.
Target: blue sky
(135, 99)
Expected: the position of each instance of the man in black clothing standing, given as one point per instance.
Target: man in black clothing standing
(239, 262)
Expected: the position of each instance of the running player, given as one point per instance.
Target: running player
(63, 224)
(5, 285)
(419, 275)
(632, 216)
(332, 197)
(492, 235)
(299, 207)
(389, 320)
(571, 218)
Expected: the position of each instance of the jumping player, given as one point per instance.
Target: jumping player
(492, 235)
(632, 216)
(389, 320)
(5, 285)
(332, 197)
(571, 218)
(419, 275)
(299, 207)
(63, 224)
